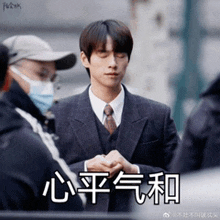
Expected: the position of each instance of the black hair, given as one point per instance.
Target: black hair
(95, 34)
(4, 58)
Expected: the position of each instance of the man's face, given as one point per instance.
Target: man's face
(107, 68)
(35, 70)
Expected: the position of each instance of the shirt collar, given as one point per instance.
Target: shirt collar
(117, 104)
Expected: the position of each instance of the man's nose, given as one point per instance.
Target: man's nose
(112, 61)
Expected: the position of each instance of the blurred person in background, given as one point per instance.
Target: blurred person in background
(28, 155)
(200, 147)
(5, 80)
(108, 129)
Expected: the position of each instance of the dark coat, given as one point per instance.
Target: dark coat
(147, 137)
(200, 147)
(28, 158)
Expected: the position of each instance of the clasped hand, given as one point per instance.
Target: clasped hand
(113, 162)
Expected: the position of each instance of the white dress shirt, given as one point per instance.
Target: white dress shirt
(98, 106)
(117, 105)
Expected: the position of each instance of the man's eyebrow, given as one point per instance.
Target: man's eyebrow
(101, 50)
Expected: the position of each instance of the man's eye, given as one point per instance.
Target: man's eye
(103, 54)
(43, 75)
(121, 55)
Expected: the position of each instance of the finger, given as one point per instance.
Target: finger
(115, 170)
(100, 156)
(113, 155)
(107, 163)
(95, 164)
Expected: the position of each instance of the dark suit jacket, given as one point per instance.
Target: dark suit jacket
(147, 137)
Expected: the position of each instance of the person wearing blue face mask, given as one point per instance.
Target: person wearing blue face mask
(33, 66)
(40, 91)
(29, 158)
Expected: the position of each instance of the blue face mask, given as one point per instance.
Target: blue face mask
(41, 92)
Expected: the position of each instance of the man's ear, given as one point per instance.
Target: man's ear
(84, 60)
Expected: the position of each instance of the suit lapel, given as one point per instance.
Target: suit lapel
(131, 127)
(83, 123)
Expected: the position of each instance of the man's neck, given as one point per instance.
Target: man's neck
(106, 94)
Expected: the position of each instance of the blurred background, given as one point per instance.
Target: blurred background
(176, 43)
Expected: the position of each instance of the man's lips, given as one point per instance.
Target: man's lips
(112, 74)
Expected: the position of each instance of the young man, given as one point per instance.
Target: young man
(32, 175)
(138, 137)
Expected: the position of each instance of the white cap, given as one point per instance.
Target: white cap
(34, 48)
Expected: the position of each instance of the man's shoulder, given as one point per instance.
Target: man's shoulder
(68, 102)
(15, 132)
(10, 119)
(203, 115)
(28, 137)
(24, 143)
(203, 109)
(150, 103)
